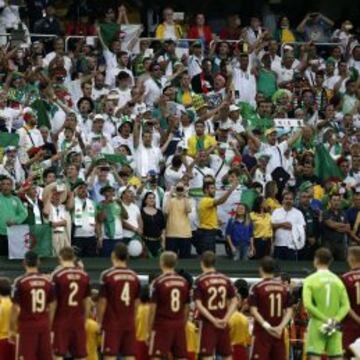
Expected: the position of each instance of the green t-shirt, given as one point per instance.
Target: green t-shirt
(325, 296)
(266, 83)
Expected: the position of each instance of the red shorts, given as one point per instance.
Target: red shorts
(213, 340)
(239, 352)
(118, 342)
(34, 344)
(7, 350)
(142, 350)
(267, 347)
(350, 334)
(70, 339)
(168, 338)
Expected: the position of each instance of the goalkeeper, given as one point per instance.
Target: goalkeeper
(326, 301)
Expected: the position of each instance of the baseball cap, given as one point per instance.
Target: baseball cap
(270, 131)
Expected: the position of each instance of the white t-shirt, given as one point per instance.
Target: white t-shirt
(153, 91)
(133, 218)
(198, 176)
(276, 153)
(147, 159)
(245, 83)
(285, 237)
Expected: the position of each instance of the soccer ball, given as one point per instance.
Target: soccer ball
(135, 248)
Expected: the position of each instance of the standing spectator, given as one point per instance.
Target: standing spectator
(289, 229)
(203, 82)
(29, 195)
(233, 30)
(54, 197)
(153, 225)
(152, 185)
(200, 30)
(177, 207)
(271, 193)
(200, 141)
(168, 29)
(352, 214)
(316, 27)
(83, 211)
(12, 212)
(208, 217)
(239, 234)
(133, 224)
(335, 228)
(262, 228)
(312, 227)
(284, 34)
(110, 215)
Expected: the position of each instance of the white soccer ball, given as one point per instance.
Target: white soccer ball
(135, 248)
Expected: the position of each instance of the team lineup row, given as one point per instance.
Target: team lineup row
(47, 316)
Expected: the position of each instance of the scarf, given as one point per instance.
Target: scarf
(84, 213)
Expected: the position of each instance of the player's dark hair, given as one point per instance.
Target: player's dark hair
(121, 252)
(242, 288)
(208, 259)
(268, 265)
(67, 254)
(323, 256)
(285, 277)
(31, 259)
(5, 286)
(168, 259)
(354, 252)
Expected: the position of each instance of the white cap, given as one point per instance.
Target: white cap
(234, 107)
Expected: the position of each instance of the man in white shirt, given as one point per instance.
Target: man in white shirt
(244, 80)
(285, 72)
(29, 135)
(195, 60)
(289, 229)
(133, 224)
(83, 220)
(154, 85)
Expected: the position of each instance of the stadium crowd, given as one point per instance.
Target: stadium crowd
(184, 140)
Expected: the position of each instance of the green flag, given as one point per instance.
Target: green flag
(7, 139)
(109, 32)
(196, 192)
(325, 166)
(248, 198)
(42, 240)
(116, 159)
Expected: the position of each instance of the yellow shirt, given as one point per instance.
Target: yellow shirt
(208, 218)
(186, 98)
(262, 225)
(208, 142)
(192, 337)
(142, 322)
(239, 329)
(272, 204)
(287, 36)
(92, 339)
(5, 311)
(178, 221)
(134, 181)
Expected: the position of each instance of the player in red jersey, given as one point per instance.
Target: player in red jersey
(351, 324)
(33, 295)
(170, 295)
(119, 296)
(71, 307)
(215, 299)
(270, 306)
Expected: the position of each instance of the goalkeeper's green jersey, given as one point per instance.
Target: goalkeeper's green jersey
(325, 296)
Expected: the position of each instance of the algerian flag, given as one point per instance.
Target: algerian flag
(109, 32)
(22, 238)
(116, 158)
(325, 166)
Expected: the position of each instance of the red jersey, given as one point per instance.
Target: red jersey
(72, 287)
(33, 293)
(351, 280)
(214, 289)
(121, 288)
(170, 292)
(271, 298)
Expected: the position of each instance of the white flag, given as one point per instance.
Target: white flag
(19, 240)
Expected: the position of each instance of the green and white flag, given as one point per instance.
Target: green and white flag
(22, 238)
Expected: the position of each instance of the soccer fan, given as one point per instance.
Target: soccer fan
(30, 316)
(327, 303)
(270, 305)
(351, 279)
(170, 295)
(71, 307)
(7, 350)
(215, 299)
(119, 293)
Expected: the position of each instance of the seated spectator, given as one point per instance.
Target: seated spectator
(199, 30)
